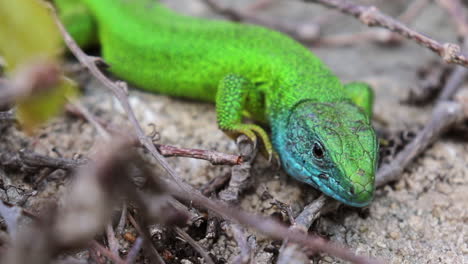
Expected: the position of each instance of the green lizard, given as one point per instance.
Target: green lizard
(321, 129)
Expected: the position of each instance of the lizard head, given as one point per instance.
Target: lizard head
(333, 147)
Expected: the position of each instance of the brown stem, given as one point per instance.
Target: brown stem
(214, 157)
(372, 17)
(195, 245)
(133, 253)
(460, 18)
(444, 116)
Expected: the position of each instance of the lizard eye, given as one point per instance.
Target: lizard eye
(318, 151)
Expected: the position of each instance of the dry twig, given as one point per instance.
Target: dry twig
(240, 174)
(444, 116)
(375, 35)
(133, 253)
(453, 83)
(108, 253)
(460, 19)
(372, 17)
(306, 33)
(246, 251)
(214, 157)
(123, 219)
(28, 160)
(195, 245)
(148, 246)
(413, 10)
(111, 239)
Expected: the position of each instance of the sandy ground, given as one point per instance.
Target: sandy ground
(421, 219)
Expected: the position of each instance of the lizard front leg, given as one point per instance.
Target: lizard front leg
(231, 102)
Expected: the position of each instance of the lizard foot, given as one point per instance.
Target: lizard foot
(253, 131)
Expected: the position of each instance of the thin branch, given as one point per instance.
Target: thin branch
(106, 252)
(259, 4)
(246, 251)
(133, 253)
(90, 118)
(309, 214)
(229, 13)
(195, 245)
(214, 157)
(413, 10)
(240, 174)
(378, 35)
(148, 246)
(29, 159)
(372, 17)
(444, 116)
(302, 223)
(111, 239)
(307, 33)
(123, 219)
(458, 14)
(460, 18)
(454, 82)
(215, 184)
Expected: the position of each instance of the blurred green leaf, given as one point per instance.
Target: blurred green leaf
(29, 36)
(27, 32)
(37, 109)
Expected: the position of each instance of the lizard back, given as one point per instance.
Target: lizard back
(187, 57)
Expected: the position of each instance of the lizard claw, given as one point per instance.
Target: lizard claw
(274, 160)
(253, 132)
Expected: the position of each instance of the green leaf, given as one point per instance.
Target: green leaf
(28, 37)
(37, 109)
(27, 33)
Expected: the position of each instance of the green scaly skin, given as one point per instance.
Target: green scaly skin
(321, 129)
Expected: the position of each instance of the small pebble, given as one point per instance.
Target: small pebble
(381, 244)
(394, 235)
(443, 188)
(436, 212)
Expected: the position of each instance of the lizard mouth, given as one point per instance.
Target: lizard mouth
(331, 187)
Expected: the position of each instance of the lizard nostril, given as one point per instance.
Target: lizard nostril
(351, 190)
